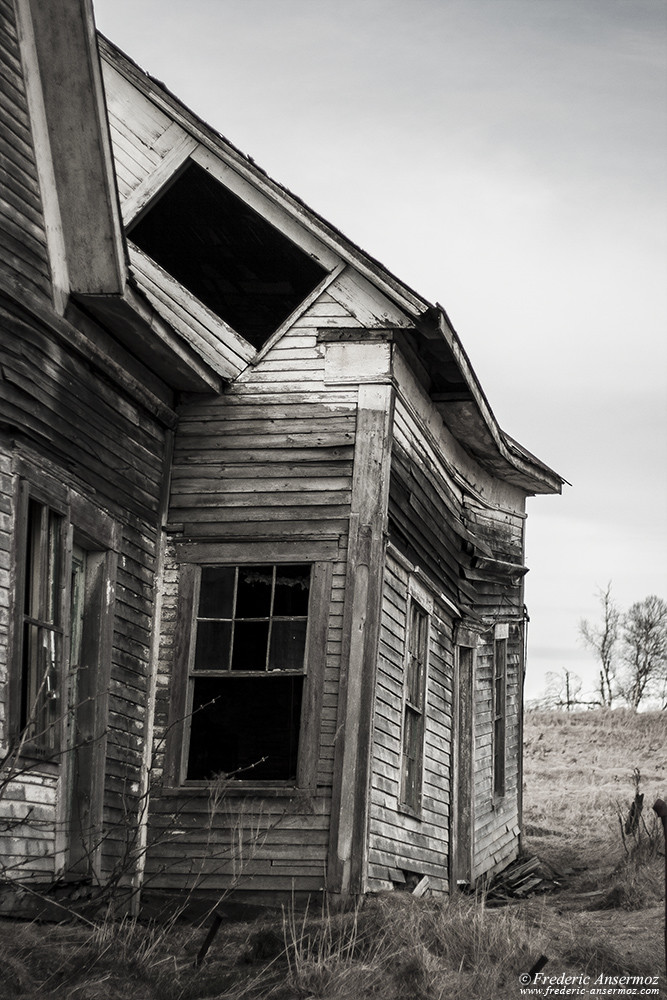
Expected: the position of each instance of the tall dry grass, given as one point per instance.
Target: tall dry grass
(578, 777)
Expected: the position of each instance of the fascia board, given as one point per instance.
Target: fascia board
(82, 158)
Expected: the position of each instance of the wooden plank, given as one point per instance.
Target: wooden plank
(271, 508)
(194, 456)
(84, 409)
(267, 428)
(279, 550)
(189, 316)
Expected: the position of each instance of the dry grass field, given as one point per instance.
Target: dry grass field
(580, 774)
(604, 918)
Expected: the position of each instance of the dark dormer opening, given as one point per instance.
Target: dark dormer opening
(226, 254)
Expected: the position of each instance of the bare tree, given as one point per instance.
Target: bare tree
(602, 639)
(564, 691)
(644, 648)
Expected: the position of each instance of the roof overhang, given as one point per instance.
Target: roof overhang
(465, 410)
(141, 330)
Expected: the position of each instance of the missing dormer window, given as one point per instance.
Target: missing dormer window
(225, 253)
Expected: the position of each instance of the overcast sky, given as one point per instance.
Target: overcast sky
(508, 159)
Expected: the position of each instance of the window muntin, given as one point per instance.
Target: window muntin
(247, 672)
(499, 714)
(416, 663)
(227, 254)
(42, 631)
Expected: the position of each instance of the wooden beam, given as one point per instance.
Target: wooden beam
(361, 628)
(80, 145)
(47, 183)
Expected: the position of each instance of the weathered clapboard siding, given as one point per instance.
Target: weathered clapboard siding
(250, 842)
(496, 820)
(297, 434)
(28, 818)
(425, 507)
(6, 494)
(136, 127)
(439, 521)
(70, 421)
(52, 395)
(400, 843)
(501, 531)
(268, 461)
(227, 353)
(24, 261)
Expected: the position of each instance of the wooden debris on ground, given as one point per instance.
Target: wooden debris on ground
(521, 879)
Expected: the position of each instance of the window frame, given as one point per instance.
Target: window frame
(462, 767)
(499, 714)
(48, 743)
(257, 197)
(183, 673)
(86, 526)
(170, 232)
(410, 800)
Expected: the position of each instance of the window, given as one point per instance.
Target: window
(42, 627)
(413, 707)
(247, 672)
(499, 714)
(61, 627)
(234, 261)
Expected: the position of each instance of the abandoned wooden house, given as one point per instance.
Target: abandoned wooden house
(262, 538)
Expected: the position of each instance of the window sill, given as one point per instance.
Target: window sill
(408, 811)
(37, 755)
(238, 789)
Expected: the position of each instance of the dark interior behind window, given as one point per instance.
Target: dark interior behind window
(248, 672)
(225, 253)
(248, 728)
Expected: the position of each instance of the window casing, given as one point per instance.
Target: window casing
(41, 627)
(250, 673)
(414, 696)
(499, 714)
(64, 566)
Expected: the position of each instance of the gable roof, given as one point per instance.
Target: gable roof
(182, 337)
(454, 387)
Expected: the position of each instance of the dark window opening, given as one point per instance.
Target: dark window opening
(413, 707)
(226, 254)
(248, 728)
(248, 672)
(499, 714)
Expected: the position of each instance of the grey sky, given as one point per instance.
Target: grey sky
(507, 158)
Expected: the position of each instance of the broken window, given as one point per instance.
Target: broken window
(499, 714)
(413, 707)
(41, 640)
(227, 254)
(61, 635)
(248, 671)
